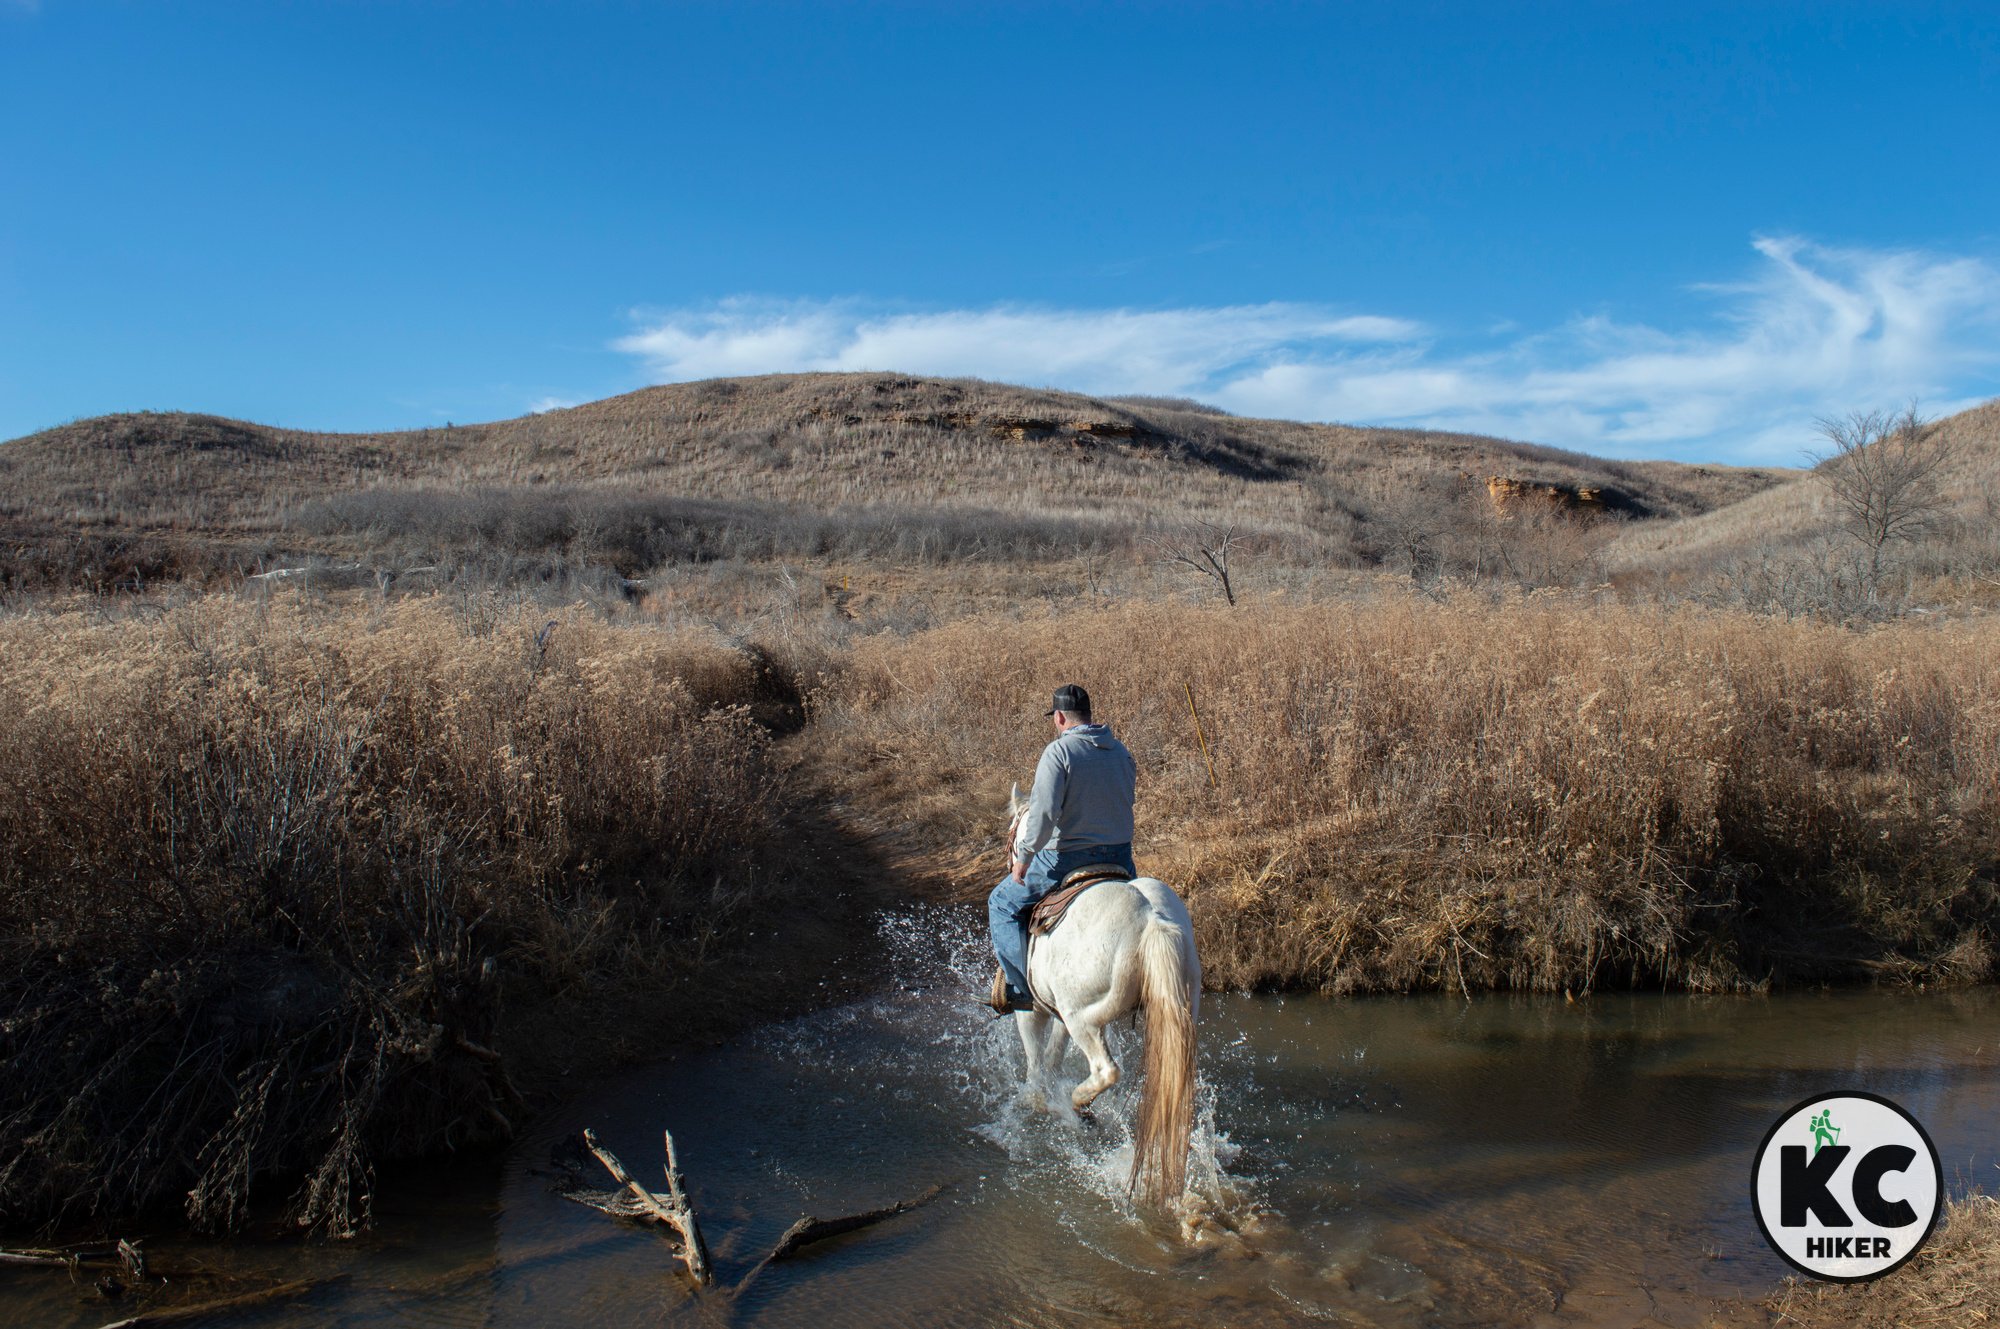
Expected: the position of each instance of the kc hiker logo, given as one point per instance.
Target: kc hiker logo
(1846, 1186)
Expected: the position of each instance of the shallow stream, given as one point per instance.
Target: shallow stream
(1387, 1161)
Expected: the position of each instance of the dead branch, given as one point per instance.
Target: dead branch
(76, 1257)
(809, 1230)
(242, 1301)
(697, 1252)
(671, 1209)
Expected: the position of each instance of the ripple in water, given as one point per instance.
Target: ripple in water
(1393, 1161)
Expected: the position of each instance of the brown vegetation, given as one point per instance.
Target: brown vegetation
(295, 884)
(269, 873)
(1954, 1280)
(1530, 794)
(1791, 548)
(206, 493)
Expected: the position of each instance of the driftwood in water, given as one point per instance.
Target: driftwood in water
(809, 1230)
(125, 1253)
(51, 1259)
(226, 1305)
(674, 1210)
(635, 1201)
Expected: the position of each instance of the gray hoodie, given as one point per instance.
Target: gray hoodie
(1082, 796)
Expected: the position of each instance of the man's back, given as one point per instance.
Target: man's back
(1084, 787)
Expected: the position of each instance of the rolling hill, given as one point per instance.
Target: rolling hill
(1038, 466)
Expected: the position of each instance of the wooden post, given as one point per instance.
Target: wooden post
(1213, 783)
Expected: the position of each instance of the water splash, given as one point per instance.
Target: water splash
(930, 1034)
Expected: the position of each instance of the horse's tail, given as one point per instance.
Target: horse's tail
(1165, 1127)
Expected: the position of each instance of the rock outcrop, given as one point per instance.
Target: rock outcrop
(1509, 495)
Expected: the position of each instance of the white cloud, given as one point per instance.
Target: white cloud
(1089, 350)
(1815, 330)
(541, 404)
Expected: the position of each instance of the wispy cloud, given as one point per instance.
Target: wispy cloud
(1090, 350)
(541, 404)
(1815, 329)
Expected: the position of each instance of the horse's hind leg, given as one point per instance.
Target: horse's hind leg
(1089, 1036)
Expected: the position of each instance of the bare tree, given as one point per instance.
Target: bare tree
(1884, 472)
(1418, 522)
(1204, 547)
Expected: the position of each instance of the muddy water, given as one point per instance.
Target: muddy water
(1379, 1162)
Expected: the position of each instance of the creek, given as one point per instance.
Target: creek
(1380, 1161)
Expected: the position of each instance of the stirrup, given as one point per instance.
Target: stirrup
(996, 999)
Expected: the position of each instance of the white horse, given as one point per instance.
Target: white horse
(1122, 945)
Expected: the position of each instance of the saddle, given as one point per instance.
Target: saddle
(1049, 910)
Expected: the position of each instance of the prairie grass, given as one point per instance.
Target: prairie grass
(296, 883)
(1539, 793)
(1954, 1280)
(638, 533)
(270, 869)
(304, 877)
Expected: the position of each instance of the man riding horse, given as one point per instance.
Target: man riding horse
(1079, 814)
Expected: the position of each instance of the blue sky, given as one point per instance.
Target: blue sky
(1635, 232)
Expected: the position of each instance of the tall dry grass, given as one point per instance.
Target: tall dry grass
(288, 884)
(270, 870)
(1954, 1280)
(1540, 793)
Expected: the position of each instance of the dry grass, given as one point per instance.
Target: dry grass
(797, 442)
(1954, 1280)
(296, 880)
(259, 852)
(1538, 793)
(1775, 549)
(269, 871)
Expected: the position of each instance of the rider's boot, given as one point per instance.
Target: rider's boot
(1006, 1000)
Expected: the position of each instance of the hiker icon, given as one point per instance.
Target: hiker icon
(1824, 1131)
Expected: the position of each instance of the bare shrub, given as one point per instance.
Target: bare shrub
(1204, 548)
(1419, 525)
(635, 533)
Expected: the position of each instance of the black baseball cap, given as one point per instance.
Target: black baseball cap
(1071, 698)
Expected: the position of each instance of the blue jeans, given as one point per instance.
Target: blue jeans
(1007, 908)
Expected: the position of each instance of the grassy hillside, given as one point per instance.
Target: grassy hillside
(1034, 473)
(1791, 516)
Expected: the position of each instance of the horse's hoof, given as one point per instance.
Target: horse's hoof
(1086, 1116)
